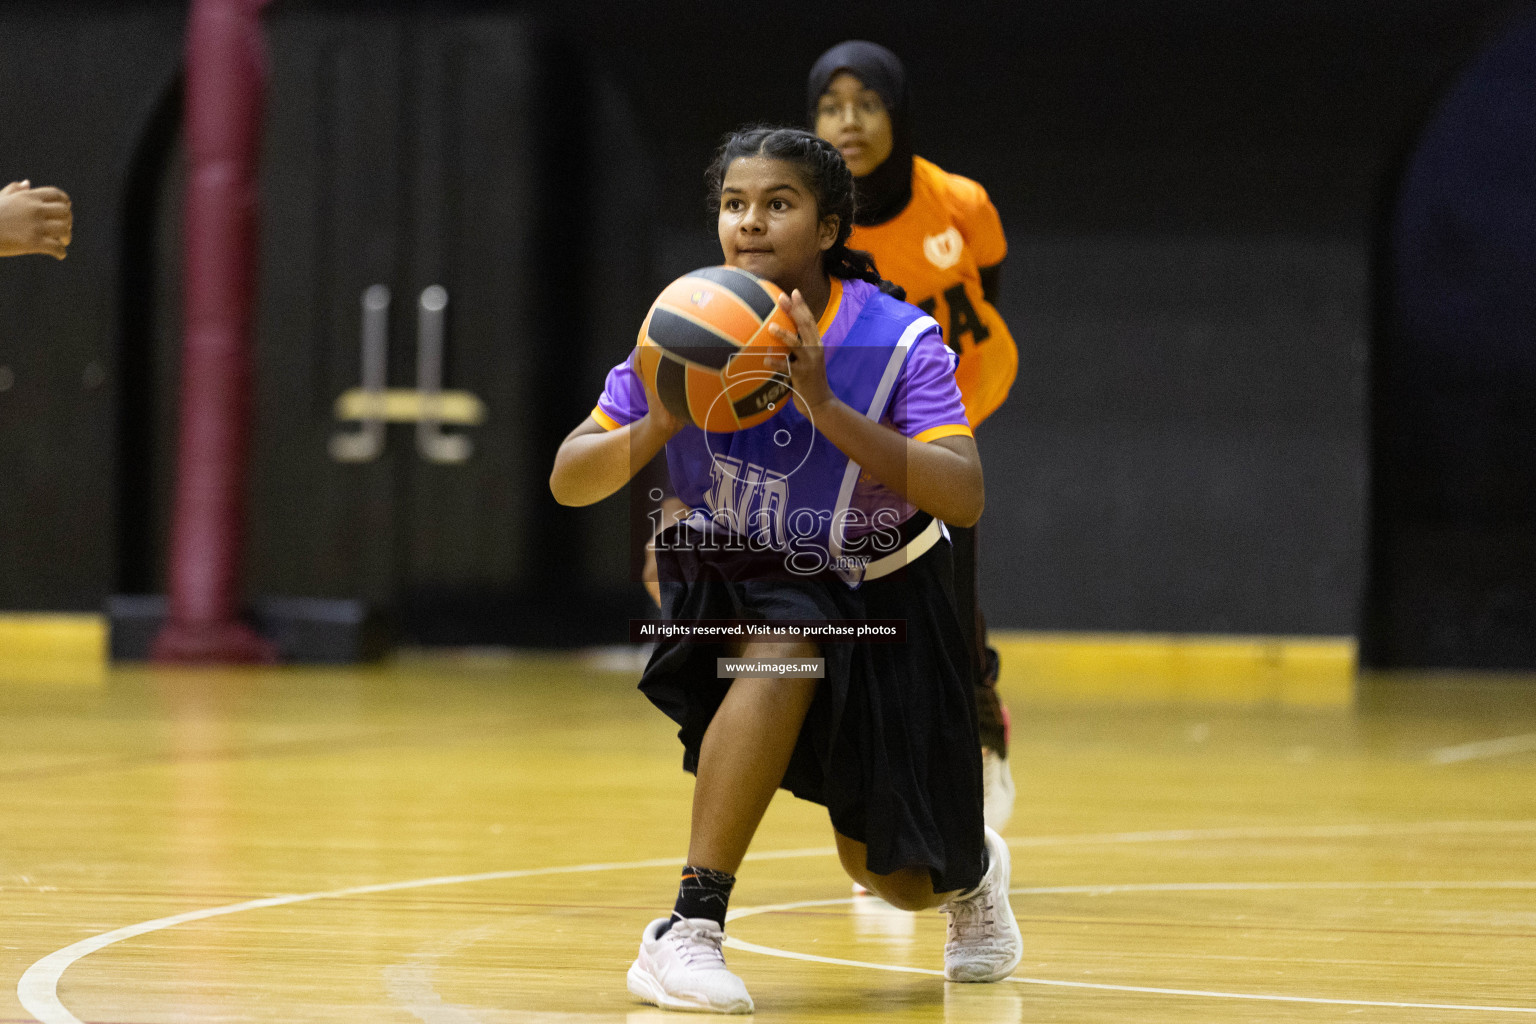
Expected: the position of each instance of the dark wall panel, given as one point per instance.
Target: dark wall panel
(81, 85)
(1183, 449)
(1453, 568)
(415, 147)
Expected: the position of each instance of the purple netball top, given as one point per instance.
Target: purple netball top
(924, 400)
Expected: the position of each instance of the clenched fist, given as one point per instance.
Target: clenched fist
(34, 220)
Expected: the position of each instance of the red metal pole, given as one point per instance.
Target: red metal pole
(225, 79)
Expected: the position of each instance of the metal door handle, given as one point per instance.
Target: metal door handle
(431, 442)
(365, 443)
(374, 404)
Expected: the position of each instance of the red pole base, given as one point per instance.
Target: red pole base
(211, 643)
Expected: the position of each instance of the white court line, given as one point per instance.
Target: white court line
(752, 947)
(38, 988)
(1500, 747)
(1142, 989)
(1361, 831)
(1110, 890)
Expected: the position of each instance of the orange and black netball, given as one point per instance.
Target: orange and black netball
(705, 344)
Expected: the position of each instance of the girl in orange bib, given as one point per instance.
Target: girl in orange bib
(938, 236)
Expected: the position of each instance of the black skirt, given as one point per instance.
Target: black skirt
(889, 745)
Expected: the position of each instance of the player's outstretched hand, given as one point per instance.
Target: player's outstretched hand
(656, 410)
(806, 364)
(34, 220)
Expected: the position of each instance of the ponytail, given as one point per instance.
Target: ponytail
(841, 261)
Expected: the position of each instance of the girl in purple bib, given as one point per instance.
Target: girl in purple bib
(830, 512)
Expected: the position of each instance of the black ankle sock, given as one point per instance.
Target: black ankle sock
(702, 892)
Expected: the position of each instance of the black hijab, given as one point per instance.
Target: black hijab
(885, 191)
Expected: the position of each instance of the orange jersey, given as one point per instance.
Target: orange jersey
(935, 249)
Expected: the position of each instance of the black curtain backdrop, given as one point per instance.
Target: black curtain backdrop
(1453, 567)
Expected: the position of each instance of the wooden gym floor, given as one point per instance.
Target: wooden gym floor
(463, 839)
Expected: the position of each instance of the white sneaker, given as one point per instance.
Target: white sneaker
(984, 942)
(996, 789)
(685, 970)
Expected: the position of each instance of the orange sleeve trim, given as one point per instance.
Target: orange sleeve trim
(947, 430)
(604, 420)
(834, 303)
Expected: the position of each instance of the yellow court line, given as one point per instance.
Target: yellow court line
(31, 636)
(53, 649)
(1305, 671)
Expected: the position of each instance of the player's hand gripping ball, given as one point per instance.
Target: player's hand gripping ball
(706, 346)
